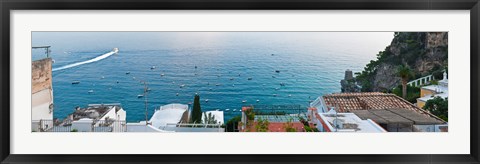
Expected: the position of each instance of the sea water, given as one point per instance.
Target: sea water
(230, 69)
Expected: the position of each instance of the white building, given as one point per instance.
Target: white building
(42, 95)
(343, 122)
(431, 91)
(98, 118)
(175, 118)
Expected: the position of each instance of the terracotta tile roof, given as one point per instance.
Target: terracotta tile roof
(351, 102)
(347, 102)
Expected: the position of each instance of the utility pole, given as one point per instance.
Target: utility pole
(146, 104)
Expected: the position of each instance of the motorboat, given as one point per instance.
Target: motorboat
(139, 96)
(76, 82)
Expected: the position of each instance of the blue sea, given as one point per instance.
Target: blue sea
(215, 65)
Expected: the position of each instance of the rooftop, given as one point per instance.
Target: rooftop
(383, 102)
(93, 111)
(168, 114)
(281, 118)
(384, 116)
(349, 122)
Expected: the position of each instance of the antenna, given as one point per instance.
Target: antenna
(47, 50)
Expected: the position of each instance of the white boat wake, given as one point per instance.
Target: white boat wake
(98, 58)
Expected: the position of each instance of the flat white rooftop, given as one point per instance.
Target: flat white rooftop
(168, 114)
(349, 122)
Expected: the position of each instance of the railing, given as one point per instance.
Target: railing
(421, 81)
(185, 127)
(79, 126)
(316, 102)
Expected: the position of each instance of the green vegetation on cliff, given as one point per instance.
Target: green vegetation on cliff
(425, 53)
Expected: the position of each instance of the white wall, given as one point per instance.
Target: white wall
(429, 128)
(41, 110)
(82, 125)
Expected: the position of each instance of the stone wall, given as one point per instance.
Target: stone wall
(41, 75)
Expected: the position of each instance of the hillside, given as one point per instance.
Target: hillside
(424, 52)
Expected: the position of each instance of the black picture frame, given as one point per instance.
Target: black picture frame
(9, 5)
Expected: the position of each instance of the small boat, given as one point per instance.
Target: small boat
(226, 110)
(148, 89)
(206, 100)
(177, 94)
(277, 71)
(234, 110)
(162, 74)
(183, 85)
(244, 101)
(76, 82)
(258, 100)
(231, 78)
(250, 78)
(217, 84)
(153, 67)
(139, 96)
(282, 84)
(90, 91)
(127, 73)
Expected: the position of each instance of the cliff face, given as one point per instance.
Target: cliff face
(424, 52)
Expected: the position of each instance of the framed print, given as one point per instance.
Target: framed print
(239, 82)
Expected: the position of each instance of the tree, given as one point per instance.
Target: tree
(404, 72)
(289, 126)
(262, 125)
(197, 111)
(438, 107)
(209, 119)
(233, 123)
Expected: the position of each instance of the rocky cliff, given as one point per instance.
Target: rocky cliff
(424, 52)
